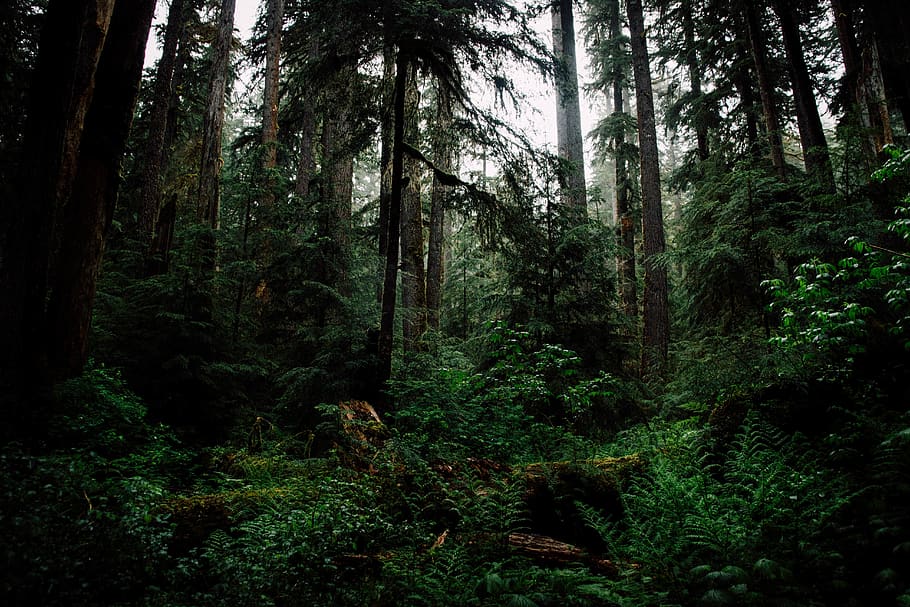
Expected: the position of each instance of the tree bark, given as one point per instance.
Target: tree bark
(570, 144)
(209, 193)
(275, 20)
(389, 290)
(656, 317)
(62, 90)
(90, 208)
(306, 165)
(386, 126)
(811, 132)
(338, 179)
(765, 87)
(891, 31)
(443, 151)
(695, 69)
(625, 226)
(413, 275)
(156, 145)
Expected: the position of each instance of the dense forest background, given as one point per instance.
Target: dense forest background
(314, 317)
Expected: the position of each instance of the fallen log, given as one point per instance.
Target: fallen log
(550, 552)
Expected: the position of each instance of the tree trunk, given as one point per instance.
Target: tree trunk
(386, 120)
(568, 115)
(413, 275)
(891, 30)
(695, 69)
(387, 317)
(765, 87)
(625, 226)
(656, 320)
(156, 145)
(62, 90)
(338, 179)
(306, 165)
(90, 208)
(209, 193)
(443, 152)
(811, 132)
(275, 20)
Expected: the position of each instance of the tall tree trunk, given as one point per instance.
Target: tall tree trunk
(306, 165)
(570, 143)
(656, 316)
(413, 275)
(891, 30)
(62, 90)
(209, 193)
(338, 179)
(156, 146)
(386, 126)
(389, 290)
(765, 87)
(443, 152)
(90, 209)
(625, 226)
(745, 88)
(275, 21)
(854, 86)
(811, 133)
(695, 69)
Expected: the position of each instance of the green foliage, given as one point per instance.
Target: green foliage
(78, 517)
(520, 404)
(836, 314)
(725, 533)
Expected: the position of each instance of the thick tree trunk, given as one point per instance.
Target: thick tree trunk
(413, 275)
(811, 132)
(443, 152)
(625, 226)
(854, 86)
(62, 90)
(891, 30)
(90, 208)
(156, 145)
(209, 193)
(390, 280)
(338, 180)
(765, 87)
(275, 20)
(306, 164)
(656, 317)
(570, 143)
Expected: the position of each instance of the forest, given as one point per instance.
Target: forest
(529, 303)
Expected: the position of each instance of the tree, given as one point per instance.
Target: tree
(766, 89)
(89, 210)
(609, 48)
(811, 133)
(655, 310)
(443, 154)
(208, 198)
(61, 93)
(413, 275)
(568, 113)
(863, 86)
(156, 144)
(275, 23)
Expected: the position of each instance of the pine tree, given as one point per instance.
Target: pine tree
(655, 310)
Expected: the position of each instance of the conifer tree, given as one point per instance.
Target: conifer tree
(655, 309)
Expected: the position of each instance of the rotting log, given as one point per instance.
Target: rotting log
(550, 552)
